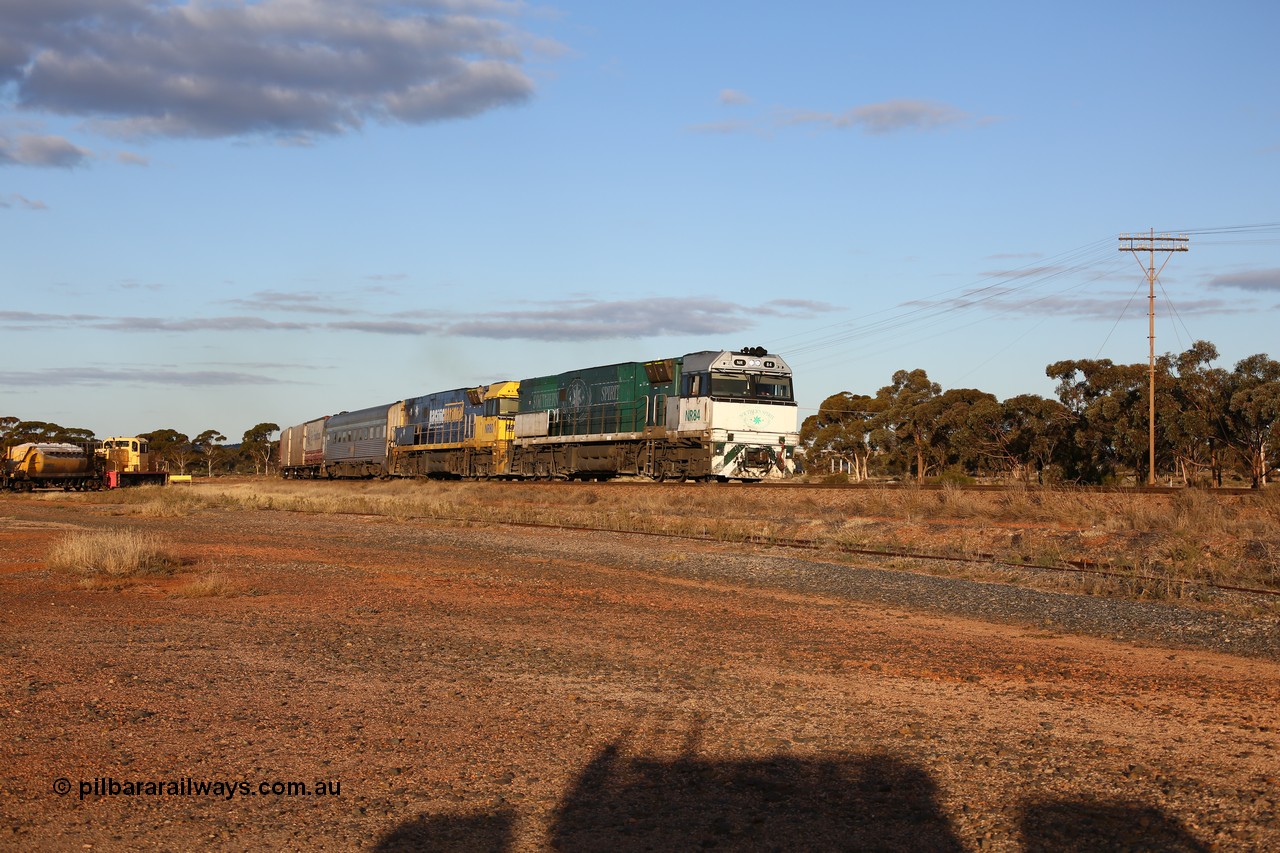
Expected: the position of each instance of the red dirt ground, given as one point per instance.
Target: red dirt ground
(512, 689)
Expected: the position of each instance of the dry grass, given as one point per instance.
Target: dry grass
(112, 554)
(213, 584)
(1189, 536)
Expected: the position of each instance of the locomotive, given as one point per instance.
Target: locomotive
(712, 415)
(128, 461)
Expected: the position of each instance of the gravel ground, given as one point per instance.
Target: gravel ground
(1155, 623)
(510, 689)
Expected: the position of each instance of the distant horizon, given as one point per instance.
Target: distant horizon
(803, 411)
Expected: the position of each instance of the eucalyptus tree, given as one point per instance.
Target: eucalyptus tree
(258, 445)
(1023, 436)
(903, 427)
(1196, 423)
(1253, 414)
(7, 423)
(840, 430)
(952, 424)
(17, 432)
(1109, 402)
(171, 446)
(209, 445)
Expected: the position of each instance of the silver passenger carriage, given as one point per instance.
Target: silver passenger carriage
(355, 443)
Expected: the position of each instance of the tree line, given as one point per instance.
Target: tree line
(175, 450)
(1210, 423)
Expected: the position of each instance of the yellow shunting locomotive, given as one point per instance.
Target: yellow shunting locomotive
(128, 461)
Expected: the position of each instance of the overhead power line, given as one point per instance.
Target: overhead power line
(958, 300)
(1029, 286)
(957, 307)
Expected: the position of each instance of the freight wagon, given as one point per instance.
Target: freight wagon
(42, 465)
(112, 463)
(302, 450)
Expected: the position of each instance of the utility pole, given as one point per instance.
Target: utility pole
(1150, 243)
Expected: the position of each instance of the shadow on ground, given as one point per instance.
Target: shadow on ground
(1072, 825)
(778, 803)
(447, 832)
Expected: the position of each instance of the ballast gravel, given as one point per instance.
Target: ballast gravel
(1120, 619)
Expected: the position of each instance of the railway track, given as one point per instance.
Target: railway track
(901, 486)
(1080, 567)
(1004, 487)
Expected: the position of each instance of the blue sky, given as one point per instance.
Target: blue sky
(217, 214)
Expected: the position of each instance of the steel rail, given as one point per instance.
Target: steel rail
(995, 488)
(1071, 566)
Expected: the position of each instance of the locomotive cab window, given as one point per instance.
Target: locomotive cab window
(695, 385)
(738, 386)
(733, 385)
(773, 387)
(501, 407)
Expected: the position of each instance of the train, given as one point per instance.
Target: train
(108, 464)
(714, 415)
(128, 461)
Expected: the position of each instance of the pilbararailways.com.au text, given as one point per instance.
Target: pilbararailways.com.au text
(226, 789)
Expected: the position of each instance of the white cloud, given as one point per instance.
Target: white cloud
(875, 119)
(1099, 307)
(302, 302)
(54, 377)
(1256, 280)
(47, 151)
(196, 324)
(589, 319)
(887, 117)
(723, 127)
(22, 202)
(288, 68)
(583, 319)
